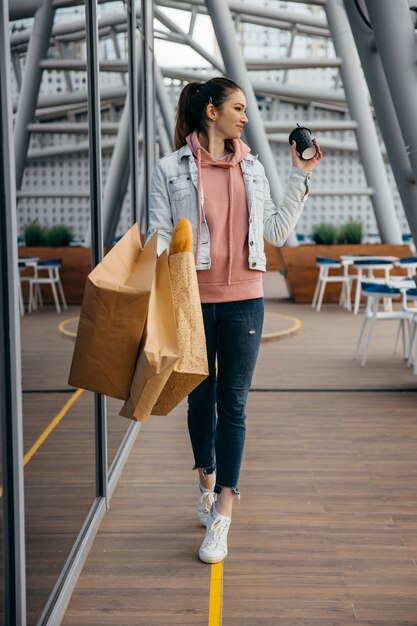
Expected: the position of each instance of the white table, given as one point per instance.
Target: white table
(367, 271)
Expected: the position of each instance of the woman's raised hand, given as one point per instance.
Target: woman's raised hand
(306, 166)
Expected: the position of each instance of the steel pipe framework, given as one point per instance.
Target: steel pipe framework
(118, 173)
(386, 115)
(358, 101)
(395, 37)
(38, 48)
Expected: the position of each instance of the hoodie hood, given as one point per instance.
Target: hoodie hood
(238, 151)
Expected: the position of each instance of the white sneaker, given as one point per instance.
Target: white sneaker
(206, 499)
(214, 547)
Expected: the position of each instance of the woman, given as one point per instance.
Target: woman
(214, 181)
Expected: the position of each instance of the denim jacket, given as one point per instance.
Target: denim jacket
(174, 195)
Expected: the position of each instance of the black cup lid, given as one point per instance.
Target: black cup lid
(295, 130)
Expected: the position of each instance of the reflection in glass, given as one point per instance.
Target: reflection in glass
(58, 429)
(117, 427)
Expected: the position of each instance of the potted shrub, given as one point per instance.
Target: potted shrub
(59, 235)
(352, 232)
(325, 234)
(35, 235)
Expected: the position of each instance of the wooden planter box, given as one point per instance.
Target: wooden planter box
(301, 272)
(76, 265)
(298, 265)
(273, 259)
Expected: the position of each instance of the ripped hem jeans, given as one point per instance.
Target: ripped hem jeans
(217, 407)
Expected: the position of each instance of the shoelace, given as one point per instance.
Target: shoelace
(207, 499)
(218, 528)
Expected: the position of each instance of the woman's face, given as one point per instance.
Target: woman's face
(231, 119)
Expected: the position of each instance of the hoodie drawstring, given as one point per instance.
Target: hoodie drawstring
(199, 205)
(229, 217)
(229, 234)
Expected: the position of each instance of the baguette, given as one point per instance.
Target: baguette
(182, 237)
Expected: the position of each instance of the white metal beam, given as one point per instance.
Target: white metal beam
(306, 93)
(357, 98)
(32, 76)
(22, 9)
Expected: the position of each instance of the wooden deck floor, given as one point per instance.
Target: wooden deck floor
(326, 530)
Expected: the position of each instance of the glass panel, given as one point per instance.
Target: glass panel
(59, 453)
(117, 427)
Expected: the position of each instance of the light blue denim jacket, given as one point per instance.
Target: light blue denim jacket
(174, 195)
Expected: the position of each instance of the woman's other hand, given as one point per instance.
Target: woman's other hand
(306, 166)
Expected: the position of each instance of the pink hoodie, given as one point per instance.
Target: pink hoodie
(226, 211)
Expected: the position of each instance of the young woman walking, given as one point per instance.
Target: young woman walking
(213, 180)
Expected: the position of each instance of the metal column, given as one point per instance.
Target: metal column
(236, 70)
(385, 113)
(14, 588)
(397, 46)
(165, 146)
(147, 14)
(165, 105)
(133, 109)
(94, 137)
(32, 76)
(118, 173)
(359, 107)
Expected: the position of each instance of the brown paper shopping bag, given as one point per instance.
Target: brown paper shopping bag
(158, 352)
(191, 368)
(112, 318)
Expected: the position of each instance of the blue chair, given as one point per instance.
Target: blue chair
(411, 296)
(409, 264)
(325, 265)
(365, 271)
(374, 294)
(46, 273)
(25, 263)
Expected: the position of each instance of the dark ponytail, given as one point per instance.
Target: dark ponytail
(192, 104)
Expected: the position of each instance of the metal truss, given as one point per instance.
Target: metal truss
(392, 51)
(366, 135)
(37, 113)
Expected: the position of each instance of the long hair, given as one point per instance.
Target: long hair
(192, 104)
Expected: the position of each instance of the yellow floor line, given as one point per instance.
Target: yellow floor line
(216, 595)
(282, 334)
(275, 336)
(49, 429)
(64, 331)
(52, 426)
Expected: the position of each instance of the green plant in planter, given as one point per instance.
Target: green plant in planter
(341, 234)
(352, 232)
(35, 234)
(59, 235)
(325, 234)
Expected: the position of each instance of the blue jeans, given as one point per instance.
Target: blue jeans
(233, 334)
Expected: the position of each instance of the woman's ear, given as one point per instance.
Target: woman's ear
(211, 112)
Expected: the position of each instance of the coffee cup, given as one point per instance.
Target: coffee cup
(304, 139)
